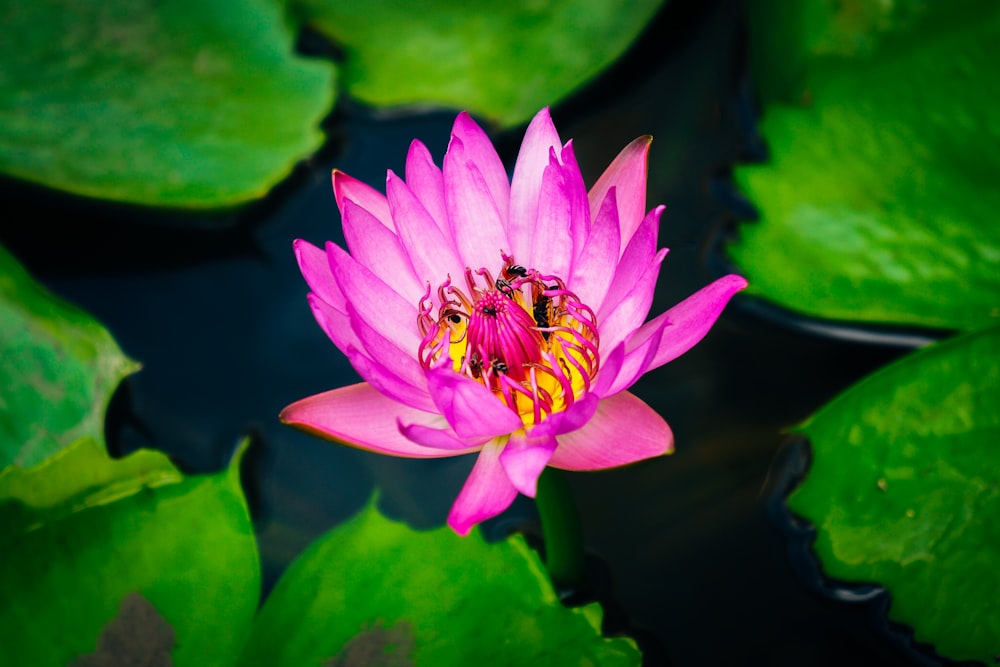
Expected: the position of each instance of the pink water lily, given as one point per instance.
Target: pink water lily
(504, 317)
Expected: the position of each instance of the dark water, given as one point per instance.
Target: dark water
(696, 548)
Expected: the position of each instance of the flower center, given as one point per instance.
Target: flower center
(523, 335)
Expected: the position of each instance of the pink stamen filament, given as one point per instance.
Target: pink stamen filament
(512, 332)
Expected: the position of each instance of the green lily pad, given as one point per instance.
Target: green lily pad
(878, 204)
(791, 39)
(182, 103)
(130, 556)
(373, 591)
(904, 490)
(58, 367)
(503, 61)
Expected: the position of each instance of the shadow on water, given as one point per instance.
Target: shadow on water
(216, 313)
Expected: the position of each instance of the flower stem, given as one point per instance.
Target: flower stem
(561, 532)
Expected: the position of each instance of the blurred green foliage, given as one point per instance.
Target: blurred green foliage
(183, 103)
(877, 203)
(501, 61)
(58, 366)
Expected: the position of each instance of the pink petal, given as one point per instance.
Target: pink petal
(624, 430)
(349, 188)
(487, 491)
(480, 151)
(389, 383)
(551, 243)
(632, 310)
(580, 217)
(402, 365)
(626, 173)
(432, 253)
(539, 139)
(480, 231)
(595, 267)
(381, 307)
(470, 408)
(440, 438)
(638, 254)
(611, 364)
(360, 416)
(691, 319)
(638, 357)
(336, 324)
(375, 246)
(569, 419)
(315, 268)
(426, 181)
(524, 458)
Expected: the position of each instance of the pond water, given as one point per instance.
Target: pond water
(693, 556)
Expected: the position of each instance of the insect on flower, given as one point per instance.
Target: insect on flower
(511, 314)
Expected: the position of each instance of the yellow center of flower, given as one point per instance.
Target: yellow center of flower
(523, 335)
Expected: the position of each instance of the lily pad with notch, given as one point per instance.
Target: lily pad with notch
(903, 491)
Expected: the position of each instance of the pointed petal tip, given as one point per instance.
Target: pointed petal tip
(293, 415)
(542, 114)
(462, 527)
(337, 179)
(737, 281)
(464, 123)
(486, 493)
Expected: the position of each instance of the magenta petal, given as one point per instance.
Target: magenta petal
(623, 430)
(425, 179)
(381, 307)
(375, 246)
(315, 268)
(638, 357)
(393, 371)
(626, 173)
(480, 231)
(637, 255)
(389, 383)
(594, 269)
(440, 438)
(551, 249)
(487, 491)
(691, 319)
(631, 311)
(524, 458)
(470, 408)
(576, 190)
(336, 324)
(539, 139)
(432, 254)
(611, 364)
(570, 419)
(361, 417)
(480, 151)
(349, 188)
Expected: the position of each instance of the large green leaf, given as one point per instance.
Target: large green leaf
(879, 201)
(99, 554)
(792, 40)
(500, 60)
(904, 490)
(373, 591)
(58, 368)
(182, 103)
